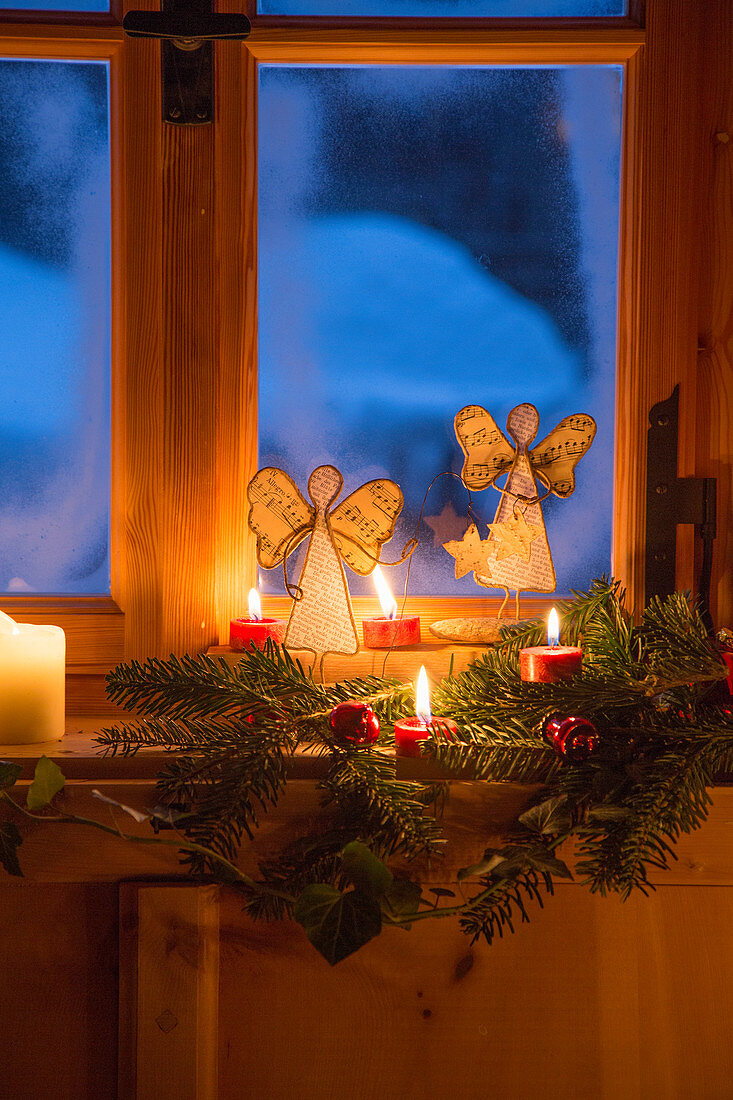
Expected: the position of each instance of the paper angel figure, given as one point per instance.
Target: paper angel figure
(518, 553)
(321, 618)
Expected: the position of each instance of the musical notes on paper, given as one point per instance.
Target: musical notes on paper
(519, 555)
(322, 619)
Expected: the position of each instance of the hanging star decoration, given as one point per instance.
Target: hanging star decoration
(471, 552)
(446, 525)
(514, 537)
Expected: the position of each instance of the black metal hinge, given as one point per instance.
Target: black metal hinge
(187, 30)
(671, 500)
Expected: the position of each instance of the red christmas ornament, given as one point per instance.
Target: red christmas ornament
(573, 738)
(354, 723)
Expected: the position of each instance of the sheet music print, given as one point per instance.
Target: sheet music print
(553, 461)
(322, 620)
(364, 520)
(487, 450)
(277, 513)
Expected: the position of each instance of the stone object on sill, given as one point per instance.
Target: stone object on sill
(484, 631)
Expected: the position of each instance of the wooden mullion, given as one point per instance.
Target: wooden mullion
(431, 45)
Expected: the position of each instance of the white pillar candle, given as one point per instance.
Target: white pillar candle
(32, 667)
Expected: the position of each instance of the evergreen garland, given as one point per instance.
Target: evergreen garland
(649, 688)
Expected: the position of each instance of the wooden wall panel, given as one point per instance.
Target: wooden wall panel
(593, 999)
(58, 1006)
(657, 323)
(169, 990)
(715, 358)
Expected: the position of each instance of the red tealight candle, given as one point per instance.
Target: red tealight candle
(252, 633)
(387, 631)
(410, 732)
(551, 663)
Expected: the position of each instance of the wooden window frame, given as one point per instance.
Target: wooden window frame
(184, 289)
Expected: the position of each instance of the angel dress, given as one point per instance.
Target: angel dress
(530, 568)
(323, 620)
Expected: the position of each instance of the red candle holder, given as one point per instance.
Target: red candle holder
(409, 733)
(549, 664)
(383, 633)
(253, 633)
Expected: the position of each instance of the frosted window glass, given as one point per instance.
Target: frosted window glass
(58, 5)
(431, 238)
(55, 324)
(497, 9)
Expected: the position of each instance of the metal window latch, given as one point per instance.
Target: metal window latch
(187, 30)
(671, 500)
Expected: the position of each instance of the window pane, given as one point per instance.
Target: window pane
(430, 238)
(497, 9)
(59, 5)
(55, 321)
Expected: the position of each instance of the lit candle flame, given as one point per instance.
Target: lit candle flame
(389, 607)
(255, 607)
(553, 628)
(422, 697)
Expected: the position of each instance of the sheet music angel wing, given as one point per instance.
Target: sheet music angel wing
(555, 458)
(363, 521)
(488, 452)
(278, 515)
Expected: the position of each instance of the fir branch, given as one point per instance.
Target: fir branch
(387, 814)
(476, 759)
(668, 798)
(180, 735)
(502, 901)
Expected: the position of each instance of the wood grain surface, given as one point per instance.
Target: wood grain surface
(169, 998)
(593, 1000)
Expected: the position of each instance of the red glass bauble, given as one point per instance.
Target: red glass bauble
(571, 737)
(354, 723)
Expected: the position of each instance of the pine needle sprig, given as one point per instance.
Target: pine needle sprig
(387, 813)
(175, 735)
(504, 900)
(669, 798)
(224, 795)
(496, 763)
(677, 648)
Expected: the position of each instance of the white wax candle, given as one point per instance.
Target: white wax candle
(32, 667)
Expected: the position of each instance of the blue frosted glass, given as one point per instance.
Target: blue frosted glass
(55, 324)
(58, 5)
(430, 238)
(497, 9)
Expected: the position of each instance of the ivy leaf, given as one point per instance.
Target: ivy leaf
(485, 866)
(367, 873)
(47, 781)
(401, 899)
(337, 924)
(549, 817)
(10, 841)
(9, 774)
(551, 865)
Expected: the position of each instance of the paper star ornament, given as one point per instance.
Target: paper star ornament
(446, 525)
(471, 553)
(514, 537)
